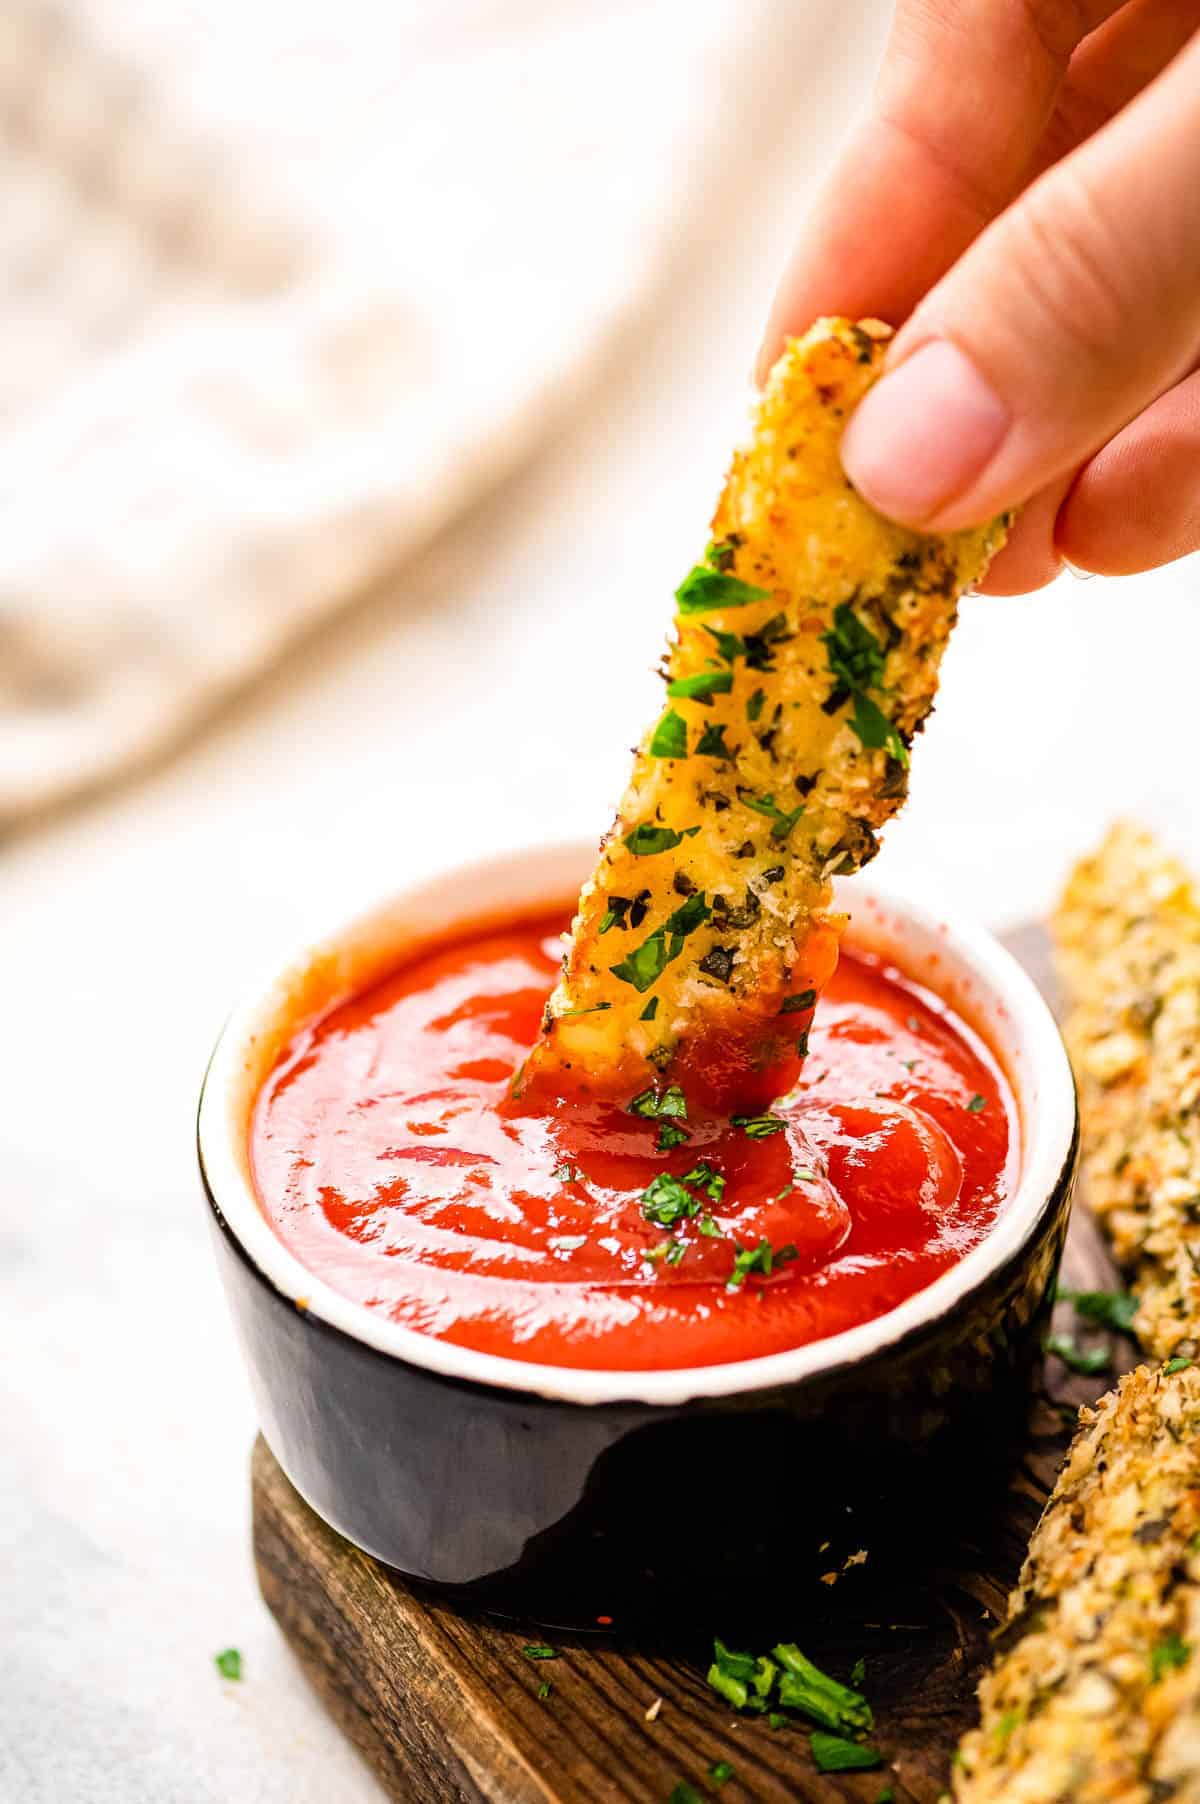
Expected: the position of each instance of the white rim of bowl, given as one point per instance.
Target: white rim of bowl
(1046, 1109)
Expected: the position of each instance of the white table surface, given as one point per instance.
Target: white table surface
(485, 700)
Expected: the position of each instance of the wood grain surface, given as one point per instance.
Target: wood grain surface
(445, 1704)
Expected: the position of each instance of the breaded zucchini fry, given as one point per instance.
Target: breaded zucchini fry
(1096, 1698)
(805, 659)
(1127, 935)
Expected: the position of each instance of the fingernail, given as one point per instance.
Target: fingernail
(924, 434)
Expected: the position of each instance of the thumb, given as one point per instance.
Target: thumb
(1072, 312)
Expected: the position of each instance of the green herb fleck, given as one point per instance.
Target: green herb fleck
(669, 739)
(763, 1258)
(858, 1673)
(709, 1228)
(720, 1771)
(538, 1650)
(742, 1680)
(229, 1663)
(566, 1174)
(685, 1794)
(1168, 1653)
(665, 1201)
(759, 1127)
(1178, 1364)
(670, 1135)
(976, 1104)
(650, 1010)
(708, 1179)
(754, 706)
(795, 1005)
(876, 731)
(1088, 1361)
(1114, 1309)
(856, 656)
(704, 590)
(652, 1106)
(700, 687)
(544, 1689)
(775, 1721)
(593, 1008)
(805, 1687)
(834, 1755)
(781, 821)
(712, 743)
(886, 1796)
(646, 839)
(676, 1251)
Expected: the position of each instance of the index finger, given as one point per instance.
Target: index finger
(966, 89)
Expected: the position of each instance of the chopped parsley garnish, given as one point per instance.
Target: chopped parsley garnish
(730, 645)
(782, 820)
(670, 1135)
(712, 743)
(856, 656)
(754, 706)
(876, 731)
(759, 1127)
(229, 1663)
(775, 1721)
(700, 687)
(646, 839)
(858, 659)
(1114, 1309)
(709, 1228)
(858, 1672)
(544, 1689)
(538, 1650)
(646, 964)
(665, 1201)
(566, 1174)
(740, 1679)
(1180, 1363)
(976, 1104)
(1087, 1361)
(805, 1687)
(650, 1010)
(703, 590)
(720, 1771)
(669, 739)
(685, 1794)
(706, 1178)
(652, 1106)
(795, 1005)
(804, 1174)
(676, 1251)
(763, 1258)
(1168, 1653)
(833, 1754)
(593, 1008)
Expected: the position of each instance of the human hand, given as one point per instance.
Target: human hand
(1025, 196)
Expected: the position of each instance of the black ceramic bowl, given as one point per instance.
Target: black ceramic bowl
(568, 1494)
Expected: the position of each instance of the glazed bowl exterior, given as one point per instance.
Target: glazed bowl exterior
(567, 1494)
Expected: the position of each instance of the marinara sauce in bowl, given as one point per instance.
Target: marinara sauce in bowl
(483, 1331)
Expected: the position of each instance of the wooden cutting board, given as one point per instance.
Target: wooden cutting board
(445, 1704)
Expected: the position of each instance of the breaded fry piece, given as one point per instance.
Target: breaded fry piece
(1127, 935)
(805, 659)
(1096, 1698)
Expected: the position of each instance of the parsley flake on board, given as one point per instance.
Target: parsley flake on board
(741, 1679)
(804, 1687)
(832, 1754)
(704, 590)
(795, 1005)
(544, 1689)
(685, 1794)
(669, 739)
(701, 687)
(229, 1663)
(647, 839)
(759, 1127)
(720, 1771)
(538, 1650)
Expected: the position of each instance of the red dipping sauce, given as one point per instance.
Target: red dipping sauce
(389, 1159)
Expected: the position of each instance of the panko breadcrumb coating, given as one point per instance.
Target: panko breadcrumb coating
(1096, 1698)
(805, 659)
(1127, 939)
